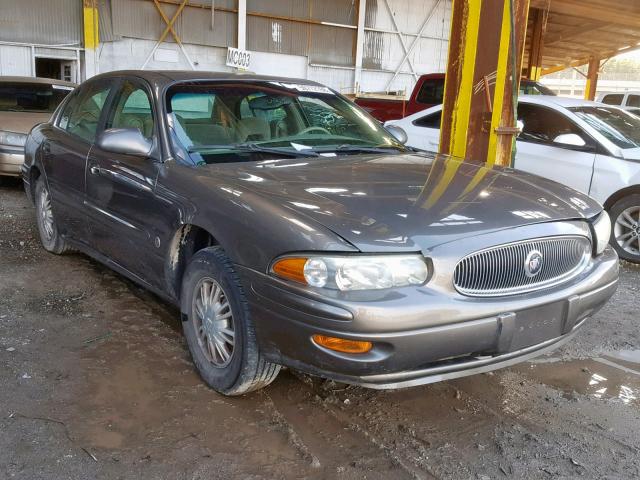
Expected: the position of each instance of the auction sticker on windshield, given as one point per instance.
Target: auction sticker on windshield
(300, 87)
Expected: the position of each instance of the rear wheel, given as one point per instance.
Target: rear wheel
(51, 239)
(625, 231)
(219, 329)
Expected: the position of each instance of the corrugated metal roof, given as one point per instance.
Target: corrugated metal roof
(41, 21)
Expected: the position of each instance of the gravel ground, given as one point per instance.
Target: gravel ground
(97, 383)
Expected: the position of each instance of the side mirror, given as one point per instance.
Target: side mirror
(571, 139)
(520, 126)
(398, 133)
(129, 141)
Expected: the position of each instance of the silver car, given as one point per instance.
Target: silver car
(24, 102)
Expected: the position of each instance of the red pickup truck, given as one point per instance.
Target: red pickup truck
(428, 92)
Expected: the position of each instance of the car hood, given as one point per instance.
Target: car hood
(406, 202)
(22, 122)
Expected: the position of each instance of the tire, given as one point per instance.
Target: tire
(51, 239)
(625, 227)
(210, 274)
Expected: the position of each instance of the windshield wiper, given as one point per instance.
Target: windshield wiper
(360, 149)
(253, 147)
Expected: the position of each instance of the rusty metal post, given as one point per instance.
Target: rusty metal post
(539, 18)
(592, 79)
(485, 49)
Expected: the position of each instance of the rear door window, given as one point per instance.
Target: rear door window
(81, 116)
(429, 121)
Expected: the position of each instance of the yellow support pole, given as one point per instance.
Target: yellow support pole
(592, 79)
(91, 37)
(485, 57)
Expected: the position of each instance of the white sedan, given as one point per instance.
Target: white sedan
(591, 147)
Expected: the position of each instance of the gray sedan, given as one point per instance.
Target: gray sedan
(292, 229)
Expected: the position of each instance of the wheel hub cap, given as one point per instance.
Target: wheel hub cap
(46, 214)
(214, 322)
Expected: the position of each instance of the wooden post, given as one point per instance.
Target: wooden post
(478, 123)
(534, 68)
(592, 79)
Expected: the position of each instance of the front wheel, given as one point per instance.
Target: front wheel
(625, 231)
(218, 326)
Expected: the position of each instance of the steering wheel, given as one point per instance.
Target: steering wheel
(311, 129)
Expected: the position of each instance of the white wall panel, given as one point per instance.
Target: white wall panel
(15, 60)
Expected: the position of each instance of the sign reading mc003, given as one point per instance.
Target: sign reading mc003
(238, 58)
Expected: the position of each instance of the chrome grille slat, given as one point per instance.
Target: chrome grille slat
(500, 270)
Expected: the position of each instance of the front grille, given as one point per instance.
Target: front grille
(501, 270)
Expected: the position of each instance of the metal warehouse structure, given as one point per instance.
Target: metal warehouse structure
(339, 42)
(365, 45)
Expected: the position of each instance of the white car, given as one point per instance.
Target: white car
(630, 101)
(591, 147)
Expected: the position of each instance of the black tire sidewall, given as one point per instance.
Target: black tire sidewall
(614, 212)
(210, 263)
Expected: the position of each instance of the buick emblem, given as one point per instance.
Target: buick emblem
(533, 263)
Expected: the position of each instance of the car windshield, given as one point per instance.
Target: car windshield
(218, 122)
(31, 97)
(617, 126)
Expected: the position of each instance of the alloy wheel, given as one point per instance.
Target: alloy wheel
(214, 324)
(626, 230)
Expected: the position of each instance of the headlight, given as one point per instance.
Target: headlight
(356, 272)
(12, 139)
(602, 232)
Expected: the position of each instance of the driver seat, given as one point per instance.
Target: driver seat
(253, 129)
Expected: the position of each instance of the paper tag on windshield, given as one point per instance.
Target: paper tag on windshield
(300, 147)
(301, 87)
(62, 87)
(328, 154)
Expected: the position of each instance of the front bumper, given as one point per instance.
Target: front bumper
(10, 162)
(456, 335)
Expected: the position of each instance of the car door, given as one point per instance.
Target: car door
(121, 204)
(424, 132)
(542, 147)
(65, 151)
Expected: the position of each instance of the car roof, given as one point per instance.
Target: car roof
(549, 100)
(38, 80)
(162, 78)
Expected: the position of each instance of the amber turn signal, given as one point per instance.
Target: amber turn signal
(291, 268)
(342, 345)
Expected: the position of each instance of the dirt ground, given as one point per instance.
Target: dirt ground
(96, 383)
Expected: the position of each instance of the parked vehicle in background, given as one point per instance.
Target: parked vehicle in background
(292, 229)
(588, 146)
(24, 102)
(627, 100)
(428, 91)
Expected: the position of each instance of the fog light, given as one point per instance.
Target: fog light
(342, 345)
